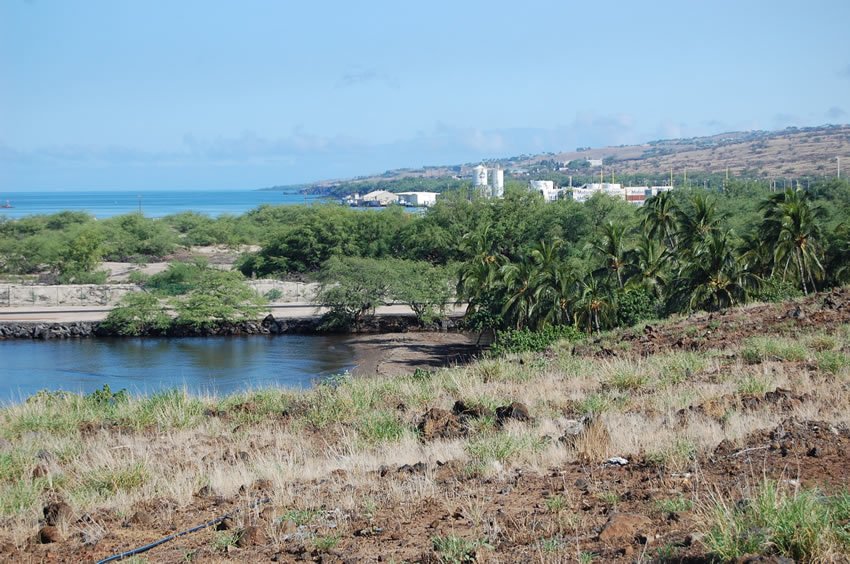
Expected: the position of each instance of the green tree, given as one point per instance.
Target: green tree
(713, 278)
(352, 288)
(595, 305)
(138, 313)
(659, 218)
(218, 298)
(791, 224)
(424, 288)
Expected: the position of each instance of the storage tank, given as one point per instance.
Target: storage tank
(498, 180)
(479, 176)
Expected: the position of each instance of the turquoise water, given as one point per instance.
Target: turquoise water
(153, 203)
(212, 365)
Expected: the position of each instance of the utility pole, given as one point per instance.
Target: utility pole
(671, 177)
(839, 167)
(685, 180)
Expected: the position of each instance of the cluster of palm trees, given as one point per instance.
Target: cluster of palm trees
(680, 258)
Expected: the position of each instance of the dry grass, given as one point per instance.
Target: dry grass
(322, 448)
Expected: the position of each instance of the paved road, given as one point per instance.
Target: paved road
(98, 313)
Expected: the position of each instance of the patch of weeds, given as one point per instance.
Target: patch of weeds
(552, 544)
(609, 498)
(667, 553)
(676, 456)
(325, 406)
(674, 505)
(832, 362)
(752, 385)
(679, 367)
(628, 380)
(299, 516)
(20, 496)
(594, 404)
(556, 503)
(821, 343)
(109, 481)
(759, 349)
(326, 543)
(422, 374)
(223, 540)
(501, 447)
(586, 557)
(381, 427)
(804, 525)
(170, 409)
(456, 550)
(254, 407)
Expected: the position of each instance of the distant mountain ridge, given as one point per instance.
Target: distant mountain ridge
(788, 153)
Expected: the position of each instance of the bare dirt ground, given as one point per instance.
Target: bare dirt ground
(394, 354)
(559, 509)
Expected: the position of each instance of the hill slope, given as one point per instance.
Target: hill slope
(790, 153)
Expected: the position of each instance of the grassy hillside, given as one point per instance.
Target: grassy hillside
(733, 427)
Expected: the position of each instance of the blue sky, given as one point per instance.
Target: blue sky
(223, 94)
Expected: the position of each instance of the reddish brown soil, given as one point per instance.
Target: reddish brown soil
(727, 329)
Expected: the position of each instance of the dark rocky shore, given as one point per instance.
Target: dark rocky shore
(268, 326)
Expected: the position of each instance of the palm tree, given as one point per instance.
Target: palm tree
(647, 266)
(595, 304)
(659, 218)
(522, 283)
(612, 249)
(791, 226)
(713, 278)
(697, 223)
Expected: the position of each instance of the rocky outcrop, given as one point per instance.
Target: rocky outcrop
(267, 326)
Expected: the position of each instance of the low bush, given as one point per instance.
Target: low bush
(526, 340)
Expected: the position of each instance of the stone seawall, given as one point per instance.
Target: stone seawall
(23, 295)
(268, 326)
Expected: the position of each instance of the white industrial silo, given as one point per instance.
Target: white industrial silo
(498, 180)
(479, 176)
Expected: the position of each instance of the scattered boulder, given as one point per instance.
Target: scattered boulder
(251, 536)
(626, 527)
(226, 524)
(141, 518)
(464, 411)
(418, 468)
(49, 534)
(516, 411)
(56, 512)
(440, 424)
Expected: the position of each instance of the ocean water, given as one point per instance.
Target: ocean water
(153, 203)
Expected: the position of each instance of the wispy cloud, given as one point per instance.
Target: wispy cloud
(845, 72)
(357, 77)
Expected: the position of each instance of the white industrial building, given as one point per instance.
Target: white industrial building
(547, 189)
(489, 182)
(417, 199)
(377, 198)
(633, 194)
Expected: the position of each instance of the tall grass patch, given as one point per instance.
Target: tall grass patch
(761, 349)
(804, 525)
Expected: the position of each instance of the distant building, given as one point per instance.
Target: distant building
(636, 195)
(489, 182)
(417, 199)
(594, 162)
(546, 188)
(379, 198)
